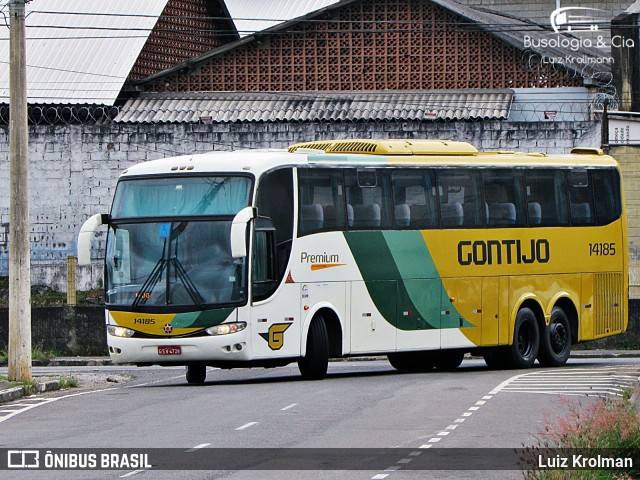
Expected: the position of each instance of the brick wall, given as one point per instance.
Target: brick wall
(73, 169)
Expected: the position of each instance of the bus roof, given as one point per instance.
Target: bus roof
(363, 153)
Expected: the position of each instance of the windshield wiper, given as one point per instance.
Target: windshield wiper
(156, 274)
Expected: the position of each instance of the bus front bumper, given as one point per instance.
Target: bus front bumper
(232, 347)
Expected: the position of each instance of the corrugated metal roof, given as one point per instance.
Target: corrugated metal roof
(251, 16)
(81, 51)
(224, 107)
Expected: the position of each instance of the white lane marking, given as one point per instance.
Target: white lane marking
(131, 474)
(51, 400)
(380, 476)
(197, 447)
(288, 407)
(46, 401)
(601, 381)
(247, 425)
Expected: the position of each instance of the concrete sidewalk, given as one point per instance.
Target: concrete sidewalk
(15, 392)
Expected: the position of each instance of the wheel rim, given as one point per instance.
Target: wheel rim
(558, 336)
(525, 344)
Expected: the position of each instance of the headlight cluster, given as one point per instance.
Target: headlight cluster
(226, 328)
(117, 331)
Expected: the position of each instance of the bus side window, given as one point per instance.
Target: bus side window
(581, 198)
(413, 199)
(368, 198)
(546, 197)
(320, 200)
(460, 198)
(503, 196)
(275, 202)
(606, 184)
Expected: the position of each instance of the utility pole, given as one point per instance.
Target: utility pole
(19, 246)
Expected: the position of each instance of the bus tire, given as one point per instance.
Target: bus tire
(526, 340)
(313, 366)
(495, 358)
(399, 361)
(555, 341)
(196, 373)
(412, 361)
(449, 360)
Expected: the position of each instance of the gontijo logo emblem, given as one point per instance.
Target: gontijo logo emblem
(320, 261)
(275, 335)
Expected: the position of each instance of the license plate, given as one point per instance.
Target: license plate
(169, 350)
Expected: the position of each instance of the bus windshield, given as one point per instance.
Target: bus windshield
(173, 263)
(169, 243)
(185, 196)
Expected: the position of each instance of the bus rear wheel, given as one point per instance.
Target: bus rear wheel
(313, 366)
(555, 342)
(196, 373)
(526, 341)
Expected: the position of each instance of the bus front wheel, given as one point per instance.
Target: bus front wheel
(526, 340)
(313, 366)
(555, 344)
(412, 361)
(449, 360)
(196, 373)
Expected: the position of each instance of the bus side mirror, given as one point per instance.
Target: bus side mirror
(239, 232)
(86, 234)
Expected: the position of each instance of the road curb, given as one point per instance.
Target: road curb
(80, 362)
(14, 393)
(11, 394)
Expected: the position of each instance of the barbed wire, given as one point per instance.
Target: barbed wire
(64, 114)
(532, 110)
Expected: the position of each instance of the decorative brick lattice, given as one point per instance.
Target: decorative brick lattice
(183, 31)
(372, 45)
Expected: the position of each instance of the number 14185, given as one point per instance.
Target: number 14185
(602, 249)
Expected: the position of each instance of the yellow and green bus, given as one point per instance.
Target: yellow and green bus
(420, 250)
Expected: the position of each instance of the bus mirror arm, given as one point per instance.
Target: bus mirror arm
(86, 234)
(239, 232)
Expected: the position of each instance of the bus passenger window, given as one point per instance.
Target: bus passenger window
(581, 198)
(321, 200)
(546, 197)
(504, 199)
(460, 198)
(414, 199)
(606, 184)
(368, 199)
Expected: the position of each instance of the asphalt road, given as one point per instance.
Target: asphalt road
(359, 405)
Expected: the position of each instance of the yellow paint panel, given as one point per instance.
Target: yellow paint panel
(586, 308)
(150, 323)
(490, 310)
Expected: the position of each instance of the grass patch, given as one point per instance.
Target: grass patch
(68, 382)
(606, 424)
(42, 355)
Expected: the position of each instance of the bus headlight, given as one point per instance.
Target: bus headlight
(117, 331)
(225, 328)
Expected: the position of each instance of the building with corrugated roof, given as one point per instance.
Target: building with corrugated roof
(85, 51)
(196, 75)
